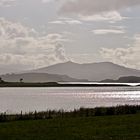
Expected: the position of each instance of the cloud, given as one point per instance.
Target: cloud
(73, 22)
(112, 17)
(93, 7)
(108, 31)
(66, 21)
(7, 3)
(26, 48)
(124, 56)
(57, 22)
(83, 57)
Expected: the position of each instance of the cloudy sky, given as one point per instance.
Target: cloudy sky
(38, 33)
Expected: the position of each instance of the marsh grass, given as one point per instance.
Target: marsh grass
(82, 112)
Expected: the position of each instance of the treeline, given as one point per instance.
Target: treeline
(22, 84)
(82, 112)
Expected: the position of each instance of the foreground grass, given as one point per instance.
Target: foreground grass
(121, 127)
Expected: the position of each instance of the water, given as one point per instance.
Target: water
(13, 100)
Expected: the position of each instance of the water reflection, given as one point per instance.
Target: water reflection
(31, 99)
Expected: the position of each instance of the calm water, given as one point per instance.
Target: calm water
(13, 100)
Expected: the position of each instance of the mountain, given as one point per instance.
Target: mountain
(129, 79)
(91, 71)
(37, 77)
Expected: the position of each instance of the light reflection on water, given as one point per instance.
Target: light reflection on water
(14, 100)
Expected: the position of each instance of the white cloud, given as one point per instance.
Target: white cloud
(112, 17)
(57, 22)
(108, 31)
(66, 21)
(73, 22)
(22, 46)
(125, 56)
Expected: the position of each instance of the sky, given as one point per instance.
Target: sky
(39, 33)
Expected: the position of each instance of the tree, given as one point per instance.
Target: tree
(1, 81)
(21, 80)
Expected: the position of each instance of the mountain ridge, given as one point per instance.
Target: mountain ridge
(71, 72)
(90, 71)
(38, 77)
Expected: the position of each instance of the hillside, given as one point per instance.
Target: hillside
(129, 79)
(37, 77)
(91, 71)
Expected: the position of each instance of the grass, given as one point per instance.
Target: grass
(104, 123)
(82, 112)
(121, 127)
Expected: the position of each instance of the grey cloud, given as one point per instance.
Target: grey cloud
(24, 47)
(60, 52)
(124, 56)
(91, 7)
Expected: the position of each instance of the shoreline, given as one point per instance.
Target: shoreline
(55, 84)
(82, 112)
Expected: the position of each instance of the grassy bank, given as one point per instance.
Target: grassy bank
(82, 112)
(121, 127)
(104, 123)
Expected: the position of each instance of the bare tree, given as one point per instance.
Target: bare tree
(21, 80)
(1, 81)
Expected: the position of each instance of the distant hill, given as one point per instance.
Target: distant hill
(129, 79)
(73, 72)
(37, 77)
(91, 71)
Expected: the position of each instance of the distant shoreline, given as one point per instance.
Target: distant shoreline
(55, 84)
